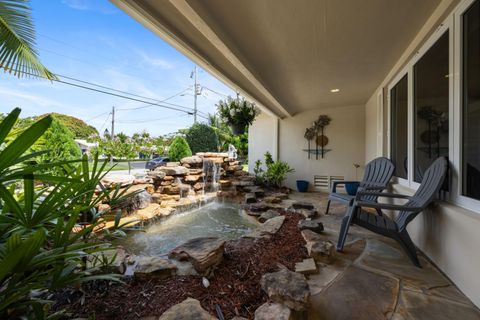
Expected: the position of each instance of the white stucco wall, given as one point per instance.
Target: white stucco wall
(371, 128)
(262, 137)
(346, 139)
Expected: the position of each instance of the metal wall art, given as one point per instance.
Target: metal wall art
(316, 133)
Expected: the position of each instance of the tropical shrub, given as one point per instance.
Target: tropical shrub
(78, 127)
(240, 142)
(46, 222)
(179, 149)
(202, 138)
(275, 173)
(60, 143)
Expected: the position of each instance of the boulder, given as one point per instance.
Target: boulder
(192, 178)
(198, 186)
(307, 266)
(268, 215)
(250, 198)
(172, 164)
(315, 226)
(280, 195)
(269, 311)
(323, 251)
(193, 160)
(173, 171)
(189, 309)
(150, 212)
(156, 175)
(302, 205)
(272, 199)
(307, 213)
(267, 229)
(225, 183)
(258, 207)
(153, 267)
(287, 288)
(204, 253)
(115, 179)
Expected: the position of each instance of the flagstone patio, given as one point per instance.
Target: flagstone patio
(374, 279)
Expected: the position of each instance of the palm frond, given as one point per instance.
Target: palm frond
(17, 41)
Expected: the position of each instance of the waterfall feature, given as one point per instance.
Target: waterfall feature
(211, 175)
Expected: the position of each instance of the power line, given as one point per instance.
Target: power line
(220, 94)
(95, 117)
(185, 110)
(149, 120)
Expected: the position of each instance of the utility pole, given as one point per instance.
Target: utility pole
(112, 134)
(195, 95)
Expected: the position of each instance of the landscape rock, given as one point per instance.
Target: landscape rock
(172, 164)
(307, 266)
(193, 160)
(148, 267)
(267, 229)
(280, 195)
(270, 311)
(198, 186)
(323, 251)
(250, 198)
(150, 212)
(259, 192)
(173, 171)
(287, 288)
(258, 207)
(103, 207)
(192, 178)
(271, 199)
(315, 226)
(204, 253)
(168, 178)
(303, 205)
(307, 213)
(225, 183)
(156, 175)
(268, 215)
(189, 309)
(115, 179)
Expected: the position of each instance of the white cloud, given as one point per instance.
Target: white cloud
(32, 98)
(89, 5)
(153, 61)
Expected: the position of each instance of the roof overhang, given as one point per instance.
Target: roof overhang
(288, 55)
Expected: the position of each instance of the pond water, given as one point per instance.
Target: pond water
(215, 219)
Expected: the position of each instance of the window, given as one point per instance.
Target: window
(471, 102)
(399, 127)
(431, 106)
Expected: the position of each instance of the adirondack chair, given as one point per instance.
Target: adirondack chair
(378, 173)
(395, 228)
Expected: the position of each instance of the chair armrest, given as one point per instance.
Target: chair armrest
(382, 195)
(337, 182)
(386, 206)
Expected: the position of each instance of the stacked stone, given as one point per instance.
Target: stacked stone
(168, 182)
(194, 178)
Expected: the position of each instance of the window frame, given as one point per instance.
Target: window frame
(457, 196)
(408, 69)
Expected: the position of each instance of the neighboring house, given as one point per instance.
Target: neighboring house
(85, 146)
(398, 78)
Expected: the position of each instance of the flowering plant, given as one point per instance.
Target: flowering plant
(237, 111)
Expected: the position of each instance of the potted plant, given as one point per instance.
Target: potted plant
(237, 113)
(352, 187)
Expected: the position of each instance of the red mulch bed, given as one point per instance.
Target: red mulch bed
(235, 286)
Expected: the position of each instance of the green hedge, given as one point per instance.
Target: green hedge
(179, 149)
(202, 138)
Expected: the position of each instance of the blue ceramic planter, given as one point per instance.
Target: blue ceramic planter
(302, 186)
(352, 188)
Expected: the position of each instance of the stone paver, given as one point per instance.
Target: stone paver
(374, 279)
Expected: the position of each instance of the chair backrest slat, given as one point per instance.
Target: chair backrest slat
(431, 184)
(378, 172)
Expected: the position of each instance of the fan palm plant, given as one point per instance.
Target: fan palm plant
(17, 41)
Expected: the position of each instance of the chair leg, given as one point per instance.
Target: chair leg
(406, 242)
(346, 222)
(379, 212)
(328, 206)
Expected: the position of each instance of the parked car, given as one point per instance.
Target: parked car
(156, 162)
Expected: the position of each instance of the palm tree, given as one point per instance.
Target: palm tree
(17, 41)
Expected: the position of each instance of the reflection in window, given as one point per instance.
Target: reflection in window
(431, 102)
(471, 102)
(399, 126)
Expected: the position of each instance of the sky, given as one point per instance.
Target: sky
(94, 41)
